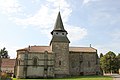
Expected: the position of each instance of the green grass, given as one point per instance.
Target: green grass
(77, 78)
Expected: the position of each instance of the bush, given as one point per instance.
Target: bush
(5, 76)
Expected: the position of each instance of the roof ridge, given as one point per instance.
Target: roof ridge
(79, 47)
(39, 46)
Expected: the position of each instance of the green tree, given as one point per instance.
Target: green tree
(118, 56)
(118, 61)
(101, 55)
(109, 62)
(4, 53)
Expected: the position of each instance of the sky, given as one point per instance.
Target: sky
(29, 22)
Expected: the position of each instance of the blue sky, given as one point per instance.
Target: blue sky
(29, 22)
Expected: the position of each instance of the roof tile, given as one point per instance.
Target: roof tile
(48, 48)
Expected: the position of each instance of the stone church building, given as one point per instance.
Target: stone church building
(58, 59)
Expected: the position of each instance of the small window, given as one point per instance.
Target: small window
(56, 33)
(62, 33)
(34, 61)
(45, 69)
(59, 62)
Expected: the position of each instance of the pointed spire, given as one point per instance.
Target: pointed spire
(59, 24)
(59, 34)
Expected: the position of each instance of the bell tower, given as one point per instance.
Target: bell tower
(60, 47)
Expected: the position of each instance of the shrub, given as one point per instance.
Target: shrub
(5, 76)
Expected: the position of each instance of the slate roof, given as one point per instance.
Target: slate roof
(59, 27)
(60, 39)
(59, 24)
(48, 48)
(8, 63)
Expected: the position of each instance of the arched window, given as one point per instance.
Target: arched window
(34, 61)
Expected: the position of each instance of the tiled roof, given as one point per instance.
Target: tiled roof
(82, 49)
(40, 49)
(37, 49)
(8, 63)
(22, 49)
(48, 48)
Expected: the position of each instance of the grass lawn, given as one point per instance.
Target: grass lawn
(77, 78)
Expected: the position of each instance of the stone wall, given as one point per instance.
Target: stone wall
(20, 73)
(35, 70)
(75, 63)
(83, 63)
(89, 63)
(61, 51)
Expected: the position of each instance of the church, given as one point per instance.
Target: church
(57, 60)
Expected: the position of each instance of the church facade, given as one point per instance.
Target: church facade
(58, 59)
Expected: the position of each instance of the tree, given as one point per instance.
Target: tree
(109, 62)
(4, 53)
(118, 56)
(118, 60)
(101, 55)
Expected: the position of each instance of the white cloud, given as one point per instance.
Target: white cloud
(88, 1)
(76, 33)
(9, 6)
(45, 17)
(41, 18)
